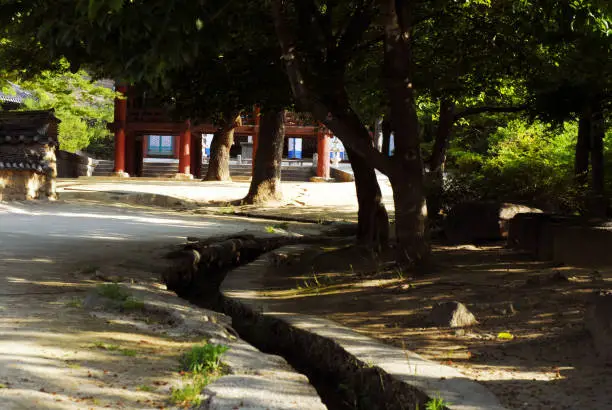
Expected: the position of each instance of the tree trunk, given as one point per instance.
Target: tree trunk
(373, 220)
(223, 139)
(265, 184)
(406, 171)
(583, 147)
(435, 176)
(598, 205)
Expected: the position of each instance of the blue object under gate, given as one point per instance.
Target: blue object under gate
(294, 150)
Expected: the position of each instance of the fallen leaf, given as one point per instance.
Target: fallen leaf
(505, 336)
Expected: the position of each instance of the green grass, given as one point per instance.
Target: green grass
(145, 388)
(226, 210)
(112, 291)
(270, 229)
(2, 386)
(75, 302)
(133, 303)
(203, 364)
(437, 403)
(203, 359)
(189, 394)
(115, 348)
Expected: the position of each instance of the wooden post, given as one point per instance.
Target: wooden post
(130, 153)
(196, 157)
(120, 125)
(256, 111)
(323, 149)
(185, 150)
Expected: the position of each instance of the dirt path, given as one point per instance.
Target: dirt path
(550, 362)
(54, 354)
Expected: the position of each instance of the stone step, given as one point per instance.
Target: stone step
(104, 168)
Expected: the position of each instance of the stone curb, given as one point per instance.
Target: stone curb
(388, 374)
(255, 379)
(171, 202)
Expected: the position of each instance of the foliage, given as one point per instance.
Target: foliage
(203, 358)
(84, 107)
(112, 291)
(524, 162)
(437, 403)
(189, 393)
(203, 362)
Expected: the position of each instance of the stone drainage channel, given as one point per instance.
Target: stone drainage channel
(342, 380)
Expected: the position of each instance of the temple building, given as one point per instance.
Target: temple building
(146, 137)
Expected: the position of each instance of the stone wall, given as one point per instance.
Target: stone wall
(22, 185)
(70, 165)
(562, 239)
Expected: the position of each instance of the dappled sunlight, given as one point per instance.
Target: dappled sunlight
(539, 305)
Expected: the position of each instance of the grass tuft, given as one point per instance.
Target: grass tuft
(115, 348)
(112, 291)
(145, 388)
(189, 394)
(203, 359)
(437, 403)
(75, 302)
(133, 303)
(203, 362)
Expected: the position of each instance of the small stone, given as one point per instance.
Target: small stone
(451, 314)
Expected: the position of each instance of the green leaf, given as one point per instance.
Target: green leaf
(94, 8)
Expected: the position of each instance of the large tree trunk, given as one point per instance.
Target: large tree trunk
(373, 220)
(265, 184)
(598, 202)
(435, 176)
(406, 171)
(223, 139)
(583, 147)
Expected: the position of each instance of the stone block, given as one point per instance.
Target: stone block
(481, 221)
(451, 314)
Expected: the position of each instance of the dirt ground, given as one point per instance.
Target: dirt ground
(549, 363)
(55, 352)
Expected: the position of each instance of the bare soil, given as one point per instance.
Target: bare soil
(550, 362)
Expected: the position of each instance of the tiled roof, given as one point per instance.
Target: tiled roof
(40, 167)
(24, 159)
(27, 127)
(17, 96)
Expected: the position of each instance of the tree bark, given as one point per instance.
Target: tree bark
(583, 147)
(406, 171)
(435, 176)
(265, 184)
(598, 131)
(223, 139)
(373, 219)
(598, 204)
